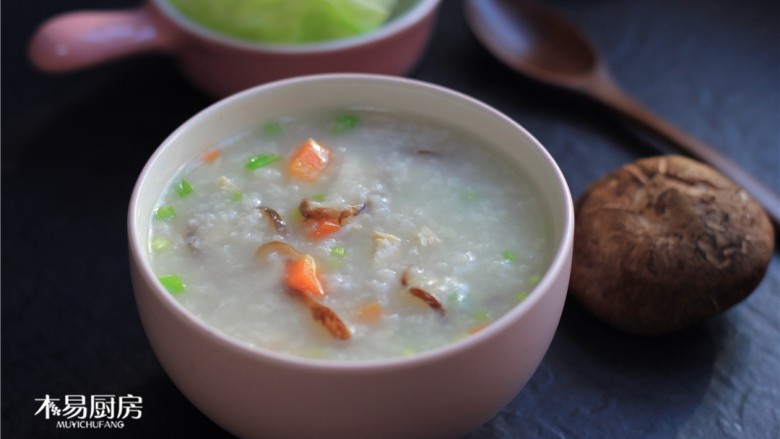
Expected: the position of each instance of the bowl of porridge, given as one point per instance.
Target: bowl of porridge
(350, 255)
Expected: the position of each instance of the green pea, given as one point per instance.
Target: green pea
(165, 213)
(172, 283)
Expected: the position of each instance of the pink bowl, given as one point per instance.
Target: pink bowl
(445, 392)
(220, 65)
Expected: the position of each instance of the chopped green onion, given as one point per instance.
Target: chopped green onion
(261, 160)
(521, 296)
(318, 197)
(508, 256)
(344, 123)
(481, 316)
(408, 352)
(295, 215)
(272, 128)
(337, 254)
(172, 283)
(534, 279)
(236, 197)
(160, 244)
(165, 213)
(183, 188)
(338, 251)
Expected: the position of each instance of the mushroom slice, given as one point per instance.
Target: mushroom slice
(278, 247)
(428, 298)
(329, 319)
(273, 216)
(193, 239)
(341, 215)
(421, 294)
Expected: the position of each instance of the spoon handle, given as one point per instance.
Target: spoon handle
(612, 96)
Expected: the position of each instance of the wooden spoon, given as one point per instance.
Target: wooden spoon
(536, 41)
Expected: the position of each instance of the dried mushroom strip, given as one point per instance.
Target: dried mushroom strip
(277, 247)
(274, 218)
(329, 319)
(340, 215)
(193, 239)
(428, 298)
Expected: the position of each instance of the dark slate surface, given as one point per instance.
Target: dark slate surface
(73, 145)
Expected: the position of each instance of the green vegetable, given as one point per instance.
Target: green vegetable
(508, 256)
(534, 279)
(337, 254)
(481, 316)
(295, 214)
(272, 128)
(236, 197)
(344, 123)
(287, 21)
(408, 352)
(164, 213)
(318, 197)
(160, 244)
(183, 188)
(261, 160)
(338, 251)
(172, 283)
(521, 296)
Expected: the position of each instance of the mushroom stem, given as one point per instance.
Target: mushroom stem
(332, 213)
(279, 247)
(273, 216)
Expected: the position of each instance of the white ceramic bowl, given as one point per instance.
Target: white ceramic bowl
(445, 392)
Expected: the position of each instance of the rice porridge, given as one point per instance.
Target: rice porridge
(348, 234)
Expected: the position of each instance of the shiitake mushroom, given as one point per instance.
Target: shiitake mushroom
(666, 242)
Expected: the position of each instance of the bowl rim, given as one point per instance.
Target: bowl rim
(415, 14)
(557, 263)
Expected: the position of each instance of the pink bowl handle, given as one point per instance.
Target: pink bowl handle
(81, 39)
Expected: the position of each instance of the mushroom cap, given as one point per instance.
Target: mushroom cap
(666, 242)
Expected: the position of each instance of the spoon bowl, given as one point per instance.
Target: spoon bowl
(527, 38)
(539, 43)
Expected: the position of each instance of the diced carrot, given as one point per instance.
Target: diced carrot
(210, 156)
(320, 228)
(477, 328)
(370, 312)
(309, 161)
(302, 277)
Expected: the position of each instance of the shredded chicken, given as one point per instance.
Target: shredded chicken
(385, 244)
(426, 237)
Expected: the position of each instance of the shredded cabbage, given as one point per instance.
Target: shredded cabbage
(287, 21)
